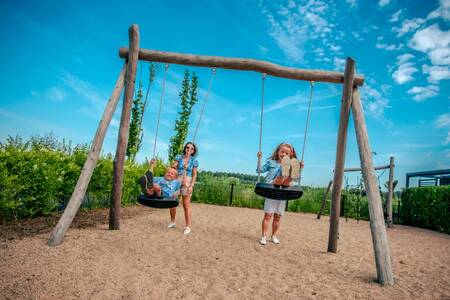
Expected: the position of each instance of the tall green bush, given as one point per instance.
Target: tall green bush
(426, 207)
(38, 176)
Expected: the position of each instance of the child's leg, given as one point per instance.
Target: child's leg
(276, 223)
(156, 189)
(146, 183)
(173, 213)
(265, 224)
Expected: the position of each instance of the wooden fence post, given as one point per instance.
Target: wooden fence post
(340, 154)
(119, 159)
(79, 191)
(377, 227)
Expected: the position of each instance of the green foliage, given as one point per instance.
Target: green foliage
(427, 207)
(136, 134)
(135, 131)
(244, 178)
(188, 97)
(38, 176)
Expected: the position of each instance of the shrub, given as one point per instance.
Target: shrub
(426, 207)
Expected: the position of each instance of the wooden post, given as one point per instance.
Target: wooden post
(324, 200)
(116, 194)
(378, 230)
(79, 191)
(340, 154)
(390, 221)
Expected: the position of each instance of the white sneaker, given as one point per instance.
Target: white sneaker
(275, 240)
(263, 241)
(285, 166)
(295, 169)
(187, 230)
(172, 225)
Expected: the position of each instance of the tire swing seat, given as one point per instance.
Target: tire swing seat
(156, 202)
(276, 192)
(146, 181)
(271, 191)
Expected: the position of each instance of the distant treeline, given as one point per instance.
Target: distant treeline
(243, 178)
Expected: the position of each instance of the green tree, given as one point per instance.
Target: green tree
(135, 132)
(188, 97)
(137, 115)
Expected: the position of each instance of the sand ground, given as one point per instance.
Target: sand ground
(221, 259)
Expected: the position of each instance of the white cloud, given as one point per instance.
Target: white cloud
(55, 94)
(396, 16)
(423, 93)
(357, 36)
(388, 47)
(430, 38)
(289, 37)
(447, 141)
(287, 101)
(408, 26)
(382, 3)
(401, 59)
(339, 64)
(84, 89)
(292, 26)
(443, 121)
(404, 73)
(374, 102)
(436, 73)
(443, 11)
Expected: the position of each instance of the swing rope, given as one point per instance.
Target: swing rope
(306, 128)
(264, 75)
(204, 104)
(160, 107)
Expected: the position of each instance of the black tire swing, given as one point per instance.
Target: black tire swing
(146, 180)
(268, 190)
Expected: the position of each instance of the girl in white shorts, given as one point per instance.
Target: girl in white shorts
(282, 168)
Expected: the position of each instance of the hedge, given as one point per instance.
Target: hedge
(426, 207)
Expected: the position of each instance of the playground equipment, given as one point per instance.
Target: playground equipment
(391, 166)
(350, 100)
(271, 191)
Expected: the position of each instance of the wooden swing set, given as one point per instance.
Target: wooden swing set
(350, 100)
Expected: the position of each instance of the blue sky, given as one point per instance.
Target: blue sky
(61, 61)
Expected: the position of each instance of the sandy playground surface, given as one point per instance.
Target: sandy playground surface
(221, 259)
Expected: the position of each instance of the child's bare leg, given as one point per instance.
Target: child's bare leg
(278, 180)
(286, 181)
(157, 189)
(173, 213)
(265, 224)
(276, 223)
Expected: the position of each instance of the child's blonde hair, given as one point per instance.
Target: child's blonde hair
(275, 153)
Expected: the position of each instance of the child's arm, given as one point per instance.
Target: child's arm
(152, 164)
(177, 188)
(194, 177)
(265, 167)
